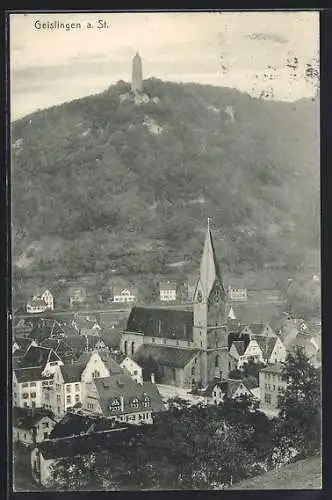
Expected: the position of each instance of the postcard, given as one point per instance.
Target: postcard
(165, 180)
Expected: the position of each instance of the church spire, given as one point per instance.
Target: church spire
(209, 269)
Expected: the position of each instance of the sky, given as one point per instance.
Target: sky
(233, 49)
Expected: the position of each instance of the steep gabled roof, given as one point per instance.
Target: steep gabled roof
(38, 356)
(257, 328)
(172, 357)
(239, 346)
(30, 374)
(123, 387)
(72, 372)
(111, 337)
(159, 322)
(266, 344)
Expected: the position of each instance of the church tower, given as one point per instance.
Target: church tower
(137, 77)
(210, 330)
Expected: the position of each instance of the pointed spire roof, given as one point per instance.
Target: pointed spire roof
(231, 314)
(209, 270)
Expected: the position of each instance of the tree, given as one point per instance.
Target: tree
(299, 424)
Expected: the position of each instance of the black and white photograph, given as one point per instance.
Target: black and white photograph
(165, 248)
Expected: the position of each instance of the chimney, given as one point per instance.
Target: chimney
(153, 381)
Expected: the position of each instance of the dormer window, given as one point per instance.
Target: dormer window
(135, 404)
(115, 405)
(146, 402)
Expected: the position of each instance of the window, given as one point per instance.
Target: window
(273, 387)
(193, 370)
(45, 425)
(153, 340)
(135, 372)
(45, 435)
(25, 405)
(68, 387)
(132, 348)
(58, 397)
(58, 387)
(25, 385)
(33, 395)
(25, 395)
(32, 384)
(115, 406)
(77, 398)
(146, 402)
(135, 404)
(15, 395)
(77, 387)
(96, 374)
(216, 363)
(90, 406)
(268, 398)
(125, 344)
(68, 399)
(33, 404)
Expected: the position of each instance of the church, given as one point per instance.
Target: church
(188, 348)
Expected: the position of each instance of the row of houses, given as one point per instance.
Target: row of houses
(170, 291)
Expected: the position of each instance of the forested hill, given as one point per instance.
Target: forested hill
(105, 183)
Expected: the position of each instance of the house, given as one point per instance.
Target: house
(86, 325)
(310, 345)
(217, 390)
(41, 301)
(272, 348)
(190, 346)
(120, 398)
(271, 385)
(45, 456)
(243, 351)
(31, 426)
(124, 295)
(33, 375)
(70, 380)
(168, 291)
(28, 384)
(77, 295)
(236, 290)
(256, 329)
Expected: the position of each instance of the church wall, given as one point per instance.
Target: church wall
(167, 342)
(217, 364)
(130, 343)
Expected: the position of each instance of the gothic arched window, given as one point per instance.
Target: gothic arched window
(125, 346)
(132, 348)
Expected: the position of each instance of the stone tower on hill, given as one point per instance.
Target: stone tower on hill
(137, 78)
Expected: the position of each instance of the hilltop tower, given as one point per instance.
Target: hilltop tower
(209, 329)
(137, 76)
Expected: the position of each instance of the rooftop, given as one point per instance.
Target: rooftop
(172, 357)
(82, 445)
(123, 386)
(26, 418)
(161, 322)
